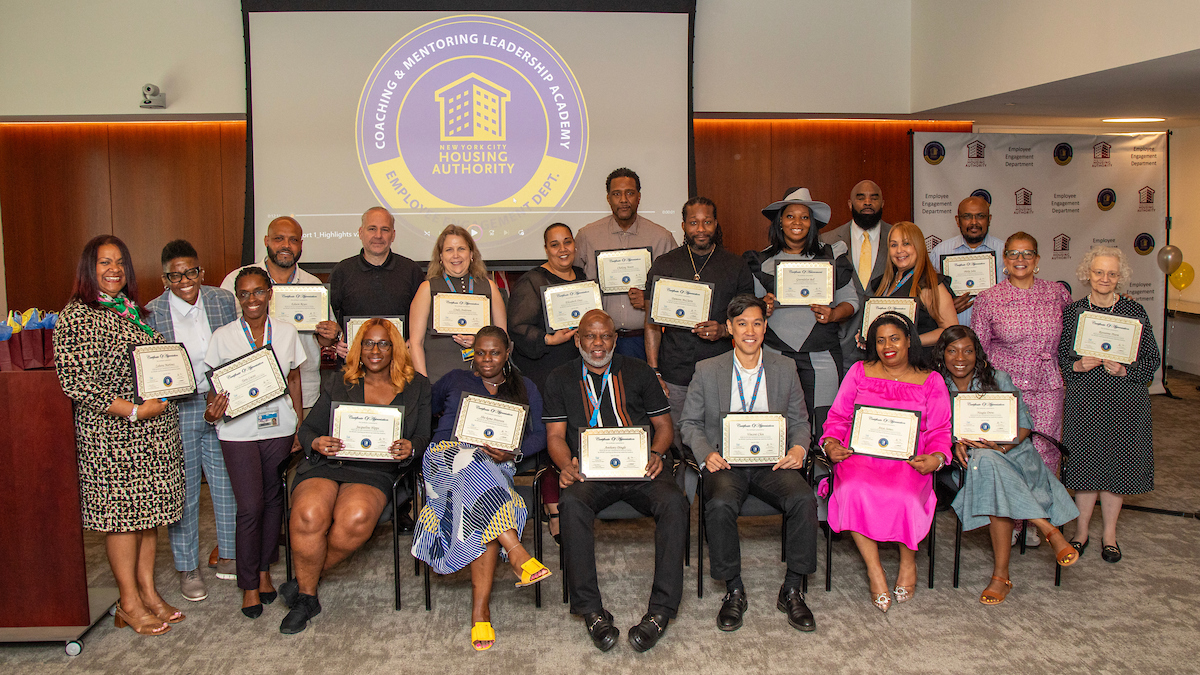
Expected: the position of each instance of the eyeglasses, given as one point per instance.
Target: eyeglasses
(176, 277)
(968, 217)
(260, 294)
(1027, 255)
(381, 345)
(1101, 274)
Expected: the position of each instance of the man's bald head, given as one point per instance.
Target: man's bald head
(866, 204)
(284, 242)
(596, 339)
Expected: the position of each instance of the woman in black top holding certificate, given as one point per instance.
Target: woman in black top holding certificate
(909, 274)
(337, 503)
(807, 333)
(1106, 408)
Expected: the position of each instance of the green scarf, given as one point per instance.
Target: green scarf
(123, 307)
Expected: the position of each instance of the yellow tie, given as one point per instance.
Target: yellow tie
(864, 261)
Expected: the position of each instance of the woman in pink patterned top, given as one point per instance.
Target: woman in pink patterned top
(1019, 321)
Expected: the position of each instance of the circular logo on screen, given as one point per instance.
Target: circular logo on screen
(1143, 243)
(1105, 347)
(679, 313)
(934, 152)
(167, 381)
(1106, 199)
(754, 449)
(366, 443)
(983, 194)
(985, 426)
(575, 314)
(462, 322)
(883, 442)
(804, 292)
(253, 392)
(614, 462)
(970, 283)
(1063, 152)
(472, 112)
(624, 280)
(299, 317)
(488, 433)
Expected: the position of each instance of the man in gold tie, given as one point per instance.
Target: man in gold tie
(864, 240)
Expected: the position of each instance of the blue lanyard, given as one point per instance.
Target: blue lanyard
(904, 279)
(470, 283)
(741, 392)
(593, 397)
(250, 336)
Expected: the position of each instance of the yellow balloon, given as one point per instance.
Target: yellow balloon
(1183, 277)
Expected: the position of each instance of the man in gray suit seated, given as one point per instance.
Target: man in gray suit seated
(865, 227)
(752, 380)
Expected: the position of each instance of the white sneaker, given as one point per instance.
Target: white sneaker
(1032, 540)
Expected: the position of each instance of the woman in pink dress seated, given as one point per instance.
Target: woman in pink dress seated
(885, 499)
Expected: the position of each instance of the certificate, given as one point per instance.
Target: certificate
(1108, 336)
(622, 269)
(460, 313)
(161, 371)
(302, 305)
(887, 433)
(366, 430)
(565, 304)
(984, 416)
(876, 306)
(250, 381)
(679, 303)
(804, 282)
(970, 272)
(753, 438)
(490, 421)
(353, 323)
(614, 453)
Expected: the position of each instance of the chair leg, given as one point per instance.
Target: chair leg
(396, 540)
(1057, 574)
(932, 546)
(783, 539)
(700, 544)
(287, 533)
(537, 538)
(1022, 536)
(428, 597)
(566, 593)
(418, 504)
(804, 584)
(828, 558)
(957, 550)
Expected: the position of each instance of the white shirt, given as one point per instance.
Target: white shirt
(191, 328)
(856, 236)
(749, 377)
(310, 370)
(229, 342)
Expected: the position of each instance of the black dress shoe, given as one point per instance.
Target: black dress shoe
(253, 611)
(800, 617)
(268, 597)
(733, 606)
(304, 608)
(289, 591)
(405, 521)
(601, 629)
(646, 634)
(1080, 547)
(1111, 553)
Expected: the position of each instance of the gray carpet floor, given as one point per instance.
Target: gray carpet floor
(1138, 615)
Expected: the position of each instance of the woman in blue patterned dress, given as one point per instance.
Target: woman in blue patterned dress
(474, 515)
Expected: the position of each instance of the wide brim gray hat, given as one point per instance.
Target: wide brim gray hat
(820, 210)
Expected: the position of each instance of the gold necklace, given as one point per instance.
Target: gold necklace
(696, 276)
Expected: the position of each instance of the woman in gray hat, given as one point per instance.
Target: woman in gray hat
(808, 333)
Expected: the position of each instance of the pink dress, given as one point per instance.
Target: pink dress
(886, 499)
(1019, 330)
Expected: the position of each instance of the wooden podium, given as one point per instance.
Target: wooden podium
(43, 589)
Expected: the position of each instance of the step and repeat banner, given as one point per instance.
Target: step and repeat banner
(1071, 192)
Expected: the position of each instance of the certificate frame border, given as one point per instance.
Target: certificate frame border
(350, 338)
(157, 346)
(289, 287)
(1101, 355)
(980, 395)
(600, 275)
(676, 323)
(645, 432)
(546, 301)
(213, 373)
(398, 426)
(435, 315)
(725, 438)
(916, 435)
(979, 254)
(866, 325)
(787, 302)
(459, 421)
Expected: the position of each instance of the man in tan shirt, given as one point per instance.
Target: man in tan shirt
(623, 229)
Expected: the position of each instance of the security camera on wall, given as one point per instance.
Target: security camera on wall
(152, 97)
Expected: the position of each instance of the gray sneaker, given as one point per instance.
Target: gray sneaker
(227, 568)
(191, 585)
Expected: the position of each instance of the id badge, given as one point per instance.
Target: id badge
(468, 354)
(268, 418)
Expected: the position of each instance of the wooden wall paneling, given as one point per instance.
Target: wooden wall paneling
(166, 184)
(826, 156)
(54, 192)
(233, 197)
(733, 168)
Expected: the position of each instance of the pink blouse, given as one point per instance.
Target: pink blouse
(1019, 330)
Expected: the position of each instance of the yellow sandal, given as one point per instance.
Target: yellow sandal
(532, 572)
(482, 636)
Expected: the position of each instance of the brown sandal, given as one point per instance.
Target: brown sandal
(990, 598)
(166, 613)
(147, 625)
(1066, 555)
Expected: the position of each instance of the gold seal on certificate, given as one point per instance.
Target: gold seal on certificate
(490, 421)
(622, 269)
(753, 438)
(161, 371)
(565, 304)
(876, 306)
(984, 416)
(460, 313)
(1108, 336)
(353, 323)
(680, 303)
(366, 430)
(250, 381)
(970, 272)
(804, 282)
(887, 433)
(614, 453)
(302, 305)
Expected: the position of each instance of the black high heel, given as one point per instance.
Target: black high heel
(253, 611)
(268, 597)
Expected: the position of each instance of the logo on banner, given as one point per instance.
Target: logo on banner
(934, 152)
(975, 153)
(1063, 152)
(1146, 199)
(931, 241)
(983, 194)
(1024, 198)
(1062, 247)
(1106, 199)
(1143, 243)
(1101, 154)
(471, 112)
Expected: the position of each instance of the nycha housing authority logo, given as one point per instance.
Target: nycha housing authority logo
(1101, 154)
(472, 112)
(1062, 247)
(1146, 199)
(1024, 199)
(975, 151)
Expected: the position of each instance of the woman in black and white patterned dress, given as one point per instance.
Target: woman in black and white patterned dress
(130, 455)
(1106, 411)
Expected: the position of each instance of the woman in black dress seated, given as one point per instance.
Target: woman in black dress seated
(336, 504)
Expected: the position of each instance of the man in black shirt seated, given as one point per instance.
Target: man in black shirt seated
(601, 389)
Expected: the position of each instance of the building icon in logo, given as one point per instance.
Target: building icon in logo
(1062, 243)
(1101, 154)
(1024, 199)
(975, 149)
(473, 108)
(931, 241)
(1146, 199)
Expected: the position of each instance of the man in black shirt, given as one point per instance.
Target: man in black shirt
(673, 352)
(603, 389)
